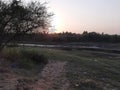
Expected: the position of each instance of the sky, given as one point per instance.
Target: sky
(85, 15)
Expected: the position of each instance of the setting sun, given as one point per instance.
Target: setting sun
(57, 23)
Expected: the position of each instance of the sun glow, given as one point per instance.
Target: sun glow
(57, 23)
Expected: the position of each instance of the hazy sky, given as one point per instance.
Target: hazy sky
(91, 15)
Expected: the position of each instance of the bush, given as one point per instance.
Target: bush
(10, 54)
(35, 57)
(67, 48)
(24, 58)
(39, 59)
(31, 58)
(26, 64)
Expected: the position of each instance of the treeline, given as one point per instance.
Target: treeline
(69, 37)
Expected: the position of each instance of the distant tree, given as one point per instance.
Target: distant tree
(18, 18)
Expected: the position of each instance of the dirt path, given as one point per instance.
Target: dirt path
(7, 81)
(53, 77)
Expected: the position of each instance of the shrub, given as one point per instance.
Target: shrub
(10, 54)
(26, 64)
(67, 48)
(24, 58)
(35, 57)
(39, 59)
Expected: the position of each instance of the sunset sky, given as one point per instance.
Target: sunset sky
(85, 15)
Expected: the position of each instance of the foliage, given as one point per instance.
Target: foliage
(34, 56)
(85, 37)
(69, 37)
(24, 58)
(18, 19)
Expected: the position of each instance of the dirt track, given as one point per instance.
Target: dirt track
(52, 77)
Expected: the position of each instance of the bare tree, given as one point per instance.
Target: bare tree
(18, 18)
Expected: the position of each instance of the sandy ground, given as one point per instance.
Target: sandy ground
(52, 77)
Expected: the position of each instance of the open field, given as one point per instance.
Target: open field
(77, 69)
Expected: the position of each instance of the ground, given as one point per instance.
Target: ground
(66, 70)
(50, 78)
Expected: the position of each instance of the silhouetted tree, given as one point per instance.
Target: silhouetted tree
(18, 19)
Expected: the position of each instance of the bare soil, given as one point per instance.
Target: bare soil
(52, 77)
